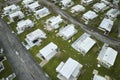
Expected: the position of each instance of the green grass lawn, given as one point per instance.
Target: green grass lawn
(88, 61)
(1, 1)
(7, 71)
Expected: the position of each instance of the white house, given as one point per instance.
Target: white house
(98, 77)
(83, 44)
(53, 22)
(35, 37)
(107, 56)
(86, 2)
(105, 1)
(106, 25)
(100, 7)
(113, 13)
(49, 51)
(67, 31)
(27, 2)
(1, 67)
(77, 8)
(116, 2)
(70, 70)
(10, 9)
(42, 13)
(24, 24)
(90, 15)
(11, 76)
(34, 6)
(66, 3)
(16, 16)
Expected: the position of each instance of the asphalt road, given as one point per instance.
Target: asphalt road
(22, 63)
(93, 32)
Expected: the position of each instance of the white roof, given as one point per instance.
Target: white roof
(86, 1)
(90, 15)
(48, 50)
(42, 11)
(87, 44)
(60, 66)
(26, 2)
(1, 66)
(69, 68)
(54, 20)
(12, 7)
(36, 34)
(113, 13)
(17, 13)
(68, 31)
(108, 55)
(24, 23)
(65, 2)
(34, 5)
(76, 44)
(98, 77)
(106, 24)
(105, 1)
(78, 8)
(101, 6)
